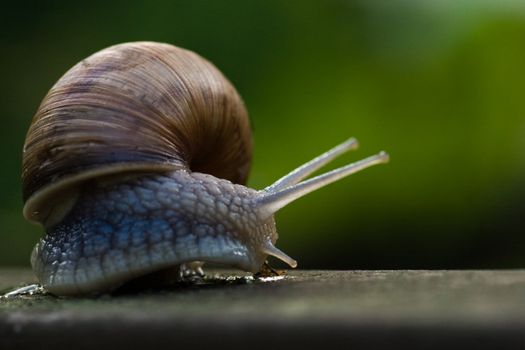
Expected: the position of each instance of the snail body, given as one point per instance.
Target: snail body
(135, 162)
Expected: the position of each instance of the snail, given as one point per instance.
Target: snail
(135, 163)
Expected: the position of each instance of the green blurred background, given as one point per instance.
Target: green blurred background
(440, 85)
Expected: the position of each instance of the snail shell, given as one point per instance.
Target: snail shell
(134, 164)
(135, 107)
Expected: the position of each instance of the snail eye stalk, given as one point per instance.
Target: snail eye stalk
(289, 188)
(308, 168)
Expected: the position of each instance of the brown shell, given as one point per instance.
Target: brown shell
(140, 106)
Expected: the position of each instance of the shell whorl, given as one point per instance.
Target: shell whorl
(134, 107)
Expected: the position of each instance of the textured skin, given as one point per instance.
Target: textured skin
(120, 231)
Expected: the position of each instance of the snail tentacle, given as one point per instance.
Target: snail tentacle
(269, 203)
(270, 249)
(308, 168)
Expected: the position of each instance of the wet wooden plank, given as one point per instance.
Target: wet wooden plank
(361, 309)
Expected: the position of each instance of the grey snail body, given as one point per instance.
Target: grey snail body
(135, 163)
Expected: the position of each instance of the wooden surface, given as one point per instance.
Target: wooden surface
(358, 309)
